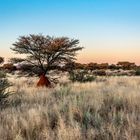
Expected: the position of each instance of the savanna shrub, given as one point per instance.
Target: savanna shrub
(9, 67)
(137, 72)
(81, 76)
(4, 94)
(100, 73)
(2, 74)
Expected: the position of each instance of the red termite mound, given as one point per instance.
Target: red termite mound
(43, 81)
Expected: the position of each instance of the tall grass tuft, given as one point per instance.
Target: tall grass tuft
(4, 94)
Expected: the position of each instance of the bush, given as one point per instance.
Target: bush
(100, 73)
(2, 74)
(9, 67)
(4, 94)
(81, 76)
(1, 60)
(137, 72)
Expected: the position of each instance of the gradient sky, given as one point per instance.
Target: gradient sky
(108, 29)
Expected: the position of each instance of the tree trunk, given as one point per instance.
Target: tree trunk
(43, 81)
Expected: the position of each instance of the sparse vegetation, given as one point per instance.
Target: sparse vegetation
(4, 84)
(88, 105)
(137, 72)
(1, 60)
(3, 93)
(81, 76)
(104, 110)
(48, 91)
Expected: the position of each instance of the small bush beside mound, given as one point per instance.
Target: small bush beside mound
(81, 76)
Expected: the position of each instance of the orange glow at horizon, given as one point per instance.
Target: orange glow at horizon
(87, 56)
(111, 58)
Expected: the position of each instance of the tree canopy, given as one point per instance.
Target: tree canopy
(16, 60)
(1, 60)
(46, 51)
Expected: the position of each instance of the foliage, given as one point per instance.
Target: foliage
(9, 66)
(100, 72)
(137, 72)
(2, 74)
(4, 94)
(1, 60)
(81, 76)
(45, 51)
(4, 84)
(16, 60)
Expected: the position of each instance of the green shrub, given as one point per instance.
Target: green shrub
(137, 72)
(81, 76)
(9, 67)
(4, 94)
(2, 74)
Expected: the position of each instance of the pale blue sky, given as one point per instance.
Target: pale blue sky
(108, 29)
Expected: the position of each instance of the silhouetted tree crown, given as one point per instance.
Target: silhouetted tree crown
(16, 60)
(45, 51)
(1, 60)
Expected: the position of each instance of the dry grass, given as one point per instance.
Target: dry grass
(107, 109)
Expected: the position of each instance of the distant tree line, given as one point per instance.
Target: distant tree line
(14, 64)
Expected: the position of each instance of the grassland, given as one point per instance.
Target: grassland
(107, 109)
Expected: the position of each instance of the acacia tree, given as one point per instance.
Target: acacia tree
(45, 52)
